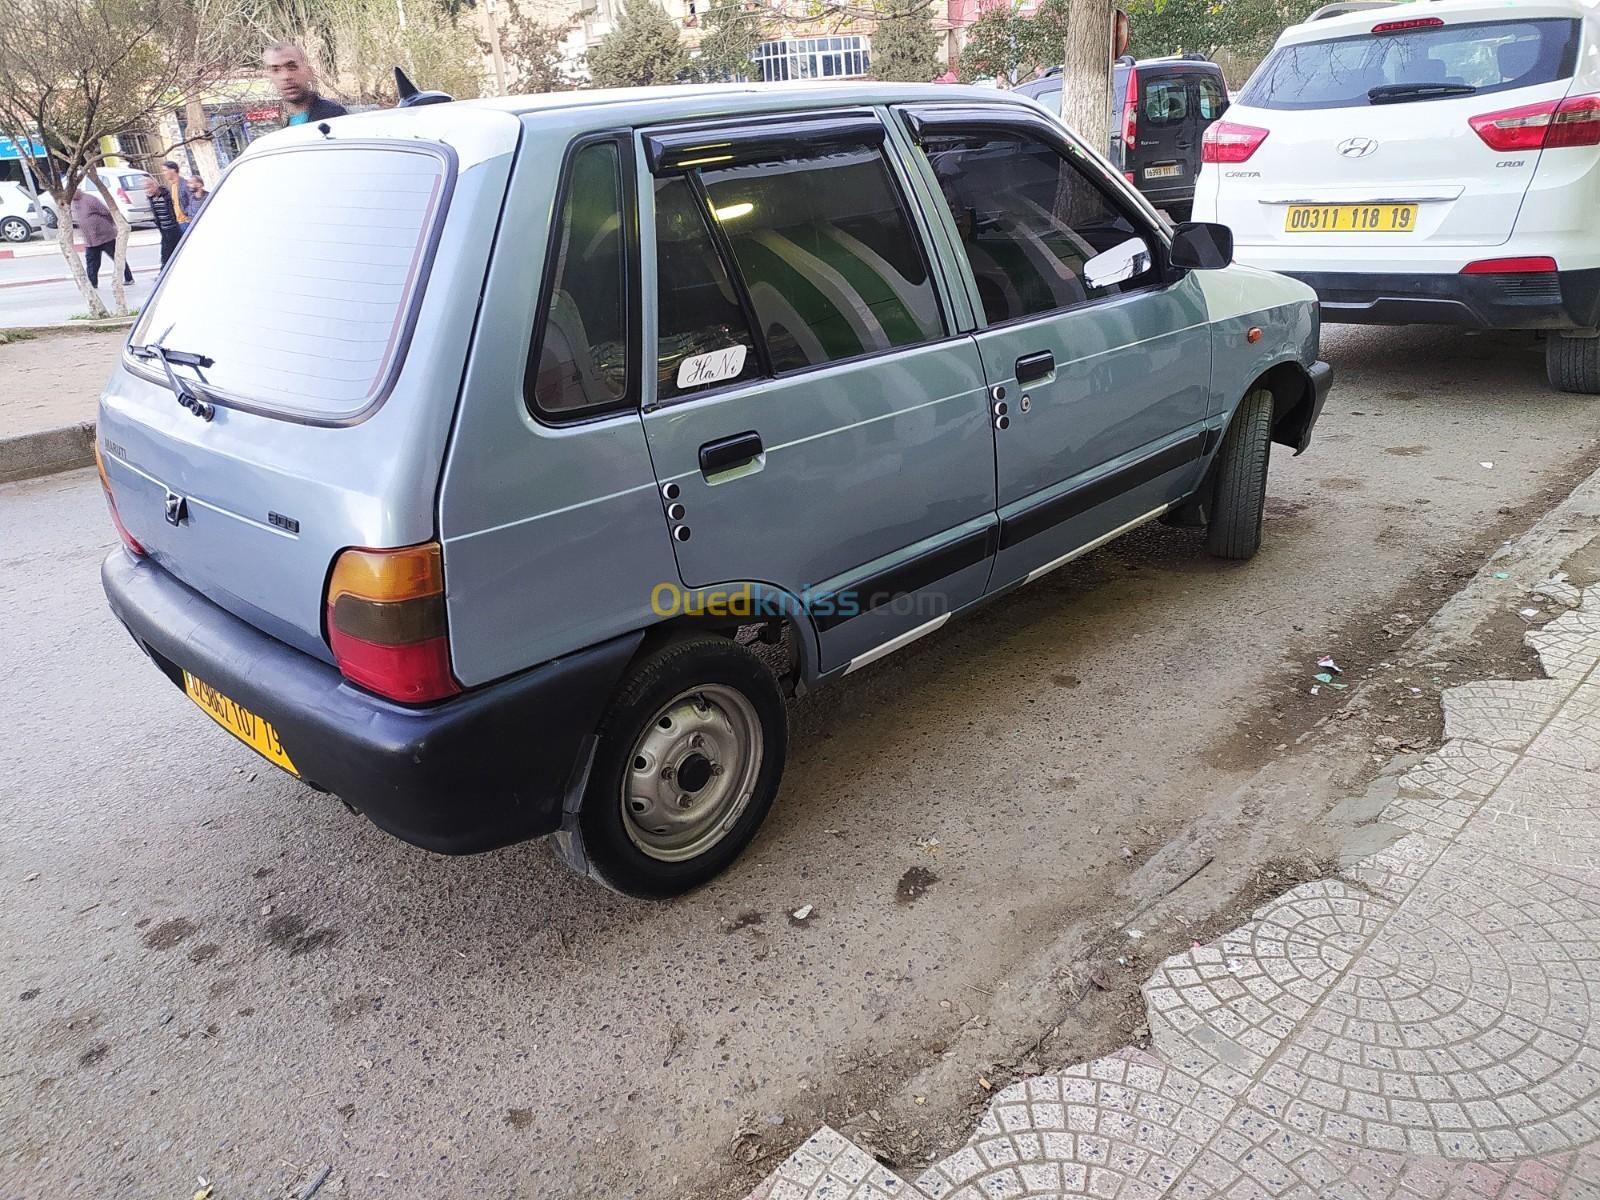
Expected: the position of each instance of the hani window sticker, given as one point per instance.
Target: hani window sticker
(712, 367)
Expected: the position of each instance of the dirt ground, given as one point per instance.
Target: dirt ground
(54, 379)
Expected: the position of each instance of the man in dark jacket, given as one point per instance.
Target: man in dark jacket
(99, 231)
(166, 220)
(292, 75)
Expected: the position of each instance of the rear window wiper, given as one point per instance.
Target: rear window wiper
(191, 395)
(1390, 93)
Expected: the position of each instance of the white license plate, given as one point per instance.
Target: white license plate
(1164, 171)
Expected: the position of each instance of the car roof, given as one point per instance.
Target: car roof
(1451, 12)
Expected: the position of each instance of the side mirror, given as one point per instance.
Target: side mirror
(1202, 246)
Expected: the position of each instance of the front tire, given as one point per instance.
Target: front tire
(691, 751)
(14, 229)
(1239, 492)
(1573, 364)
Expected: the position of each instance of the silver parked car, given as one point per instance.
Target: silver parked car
(501, 466)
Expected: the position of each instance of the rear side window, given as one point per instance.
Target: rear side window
(1211, 98)
(827, 252)
(1039, 233)
(581, 362)
(1417, 64)
(1166, 101)
(302, 281)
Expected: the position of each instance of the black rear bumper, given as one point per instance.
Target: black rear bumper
(1545, 300)
(480, 770)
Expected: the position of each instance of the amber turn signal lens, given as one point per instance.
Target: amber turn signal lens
(406, 574)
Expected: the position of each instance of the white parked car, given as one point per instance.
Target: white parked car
(1427, 163)
(20, 217)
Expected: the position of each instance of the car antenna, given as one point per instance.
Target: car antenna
(410, 97)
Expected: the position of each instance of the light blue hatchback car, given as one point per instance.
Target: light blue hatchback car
(501, 466)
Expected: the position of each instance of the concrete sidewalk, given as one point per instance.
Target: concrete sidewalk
(49, 389)
(1426, 1024)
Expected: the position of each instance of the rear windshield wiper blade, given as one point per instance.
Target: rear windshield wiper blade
(1389, 93)
(192, 396)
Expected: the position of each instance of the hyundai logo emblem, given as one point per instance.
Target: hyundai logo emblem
(1357, 147)
(177, 509)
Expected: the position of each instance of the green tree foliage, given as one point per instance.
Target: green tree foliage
(733, 30)
(1207, 26)
(643, 49)
(1011, 46)
(905, 46)
(533, 57)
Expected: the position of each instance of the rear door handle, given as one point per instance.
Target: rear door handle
(729, 452)
(1035, 366)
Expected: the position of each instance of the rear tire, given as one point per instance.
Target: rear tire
(1239, 493)
(14, 229)
(1573, 364)
(691, 751)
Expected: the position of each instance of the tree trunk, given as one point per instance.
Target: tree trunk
(1086, 72)
(119, 294)
(97, 309)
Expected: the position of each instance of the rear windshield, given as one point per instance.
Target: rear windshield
(1491, 56)
(300, 277)
(130, 181)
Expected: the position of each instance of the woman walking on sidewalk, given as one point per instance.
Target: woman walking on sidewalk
(99, 231)
(166, 219)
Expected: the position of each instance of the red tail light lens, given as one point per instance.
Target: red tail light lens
(1527, 265)
(1130, 116)
(1229, 142)
(1411, 23)
(122, 194)
(128, 539)
(1574, 121)
(386, 622)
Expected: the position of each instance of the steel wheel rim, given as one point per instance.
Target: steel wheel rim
(691, 773)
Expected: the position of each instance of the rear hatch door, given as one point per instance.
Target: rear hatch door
(1381, 123)
(321, 303)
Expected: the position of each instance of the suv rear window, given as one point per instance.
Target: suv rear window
(1490, 56)
(301, 281)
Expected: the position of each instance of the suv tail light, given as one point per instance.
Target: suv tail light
(1527, 265)
(1574, 121)
(1409, 23)
(1130, 117)
(386, 622)
(1230, 142)
(128, 539)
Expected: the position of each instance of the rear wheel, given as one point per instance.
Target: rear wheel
(1573, 363)
(691, 751)
(1239, 490)
(14, 229)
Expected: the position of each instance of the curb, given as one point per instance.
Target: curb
(28, 331)
(46, 452)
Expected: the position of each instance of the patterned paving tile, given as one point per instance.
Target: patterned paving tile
(828, 1166)
(1542, 813)
(1569, 646)
(1572, 736)
(1506, 714)
(1445, 788)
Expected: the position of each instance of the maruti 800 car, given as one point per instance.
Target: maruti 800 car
(501, 466)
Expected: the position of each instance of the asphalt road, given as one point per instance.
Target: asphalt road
(211, 972)
(39, 290)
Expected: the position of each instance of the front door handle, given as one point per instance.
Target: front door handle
(1035, 366)
(726, 453)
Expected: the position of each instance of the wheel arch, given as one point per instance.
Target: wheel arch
(754, 614)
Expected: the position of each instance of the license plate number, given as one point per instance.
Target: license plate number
(253, 731)
(1164, 171)
(1350, 218)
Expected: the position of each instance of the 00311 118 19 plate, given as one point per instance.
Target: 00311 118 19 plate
(253, 731)
(1350, 218)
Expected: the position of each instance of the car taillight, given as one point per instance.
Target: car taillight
(1574, 121)
(122, 194)
(128, 539)
(1534, 264)
(1130, 116)
(1409, 23)
(386, 622)
(1230, 142)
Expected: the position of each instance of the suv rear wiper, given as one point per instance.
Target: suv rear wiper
(1389, 93)
(192, 396)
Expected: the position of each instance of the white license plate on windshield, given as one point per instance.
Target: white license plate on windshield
(1163, 171)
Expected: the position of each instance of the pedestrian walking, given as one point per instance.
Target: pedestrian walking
(178, 189)
(291, 73)
(198, 193)
(99, 231)
(166, 223)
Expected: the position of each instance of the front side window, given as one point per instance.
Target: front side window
(1039, 233)
(581, 362)
(828, 256)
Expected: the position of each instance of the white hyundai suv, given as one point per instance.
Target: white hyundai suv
(1431, 162)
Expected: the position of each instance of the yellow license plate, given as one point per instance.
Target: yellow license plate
(250, 729)
(1350, 218)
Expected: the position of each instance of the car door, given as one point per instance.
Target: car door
(1166, 136)
(1097, 352)
(816, 427)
